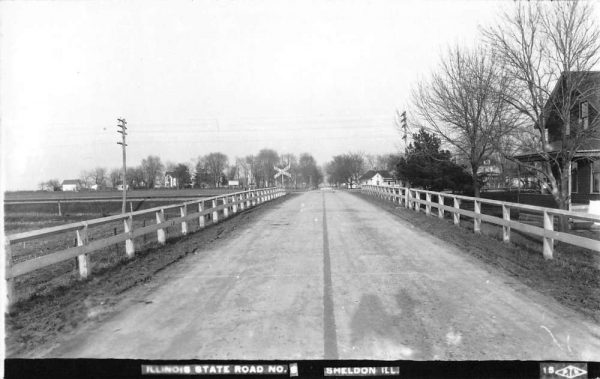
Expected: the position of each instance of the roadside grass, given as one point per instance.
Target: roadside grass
(64, 273)
(56, 302)
(572, 277)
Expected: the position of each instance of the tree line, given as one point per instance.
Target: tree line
(208, 171)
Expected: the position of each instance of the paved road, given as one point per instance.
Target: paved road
(328, 275)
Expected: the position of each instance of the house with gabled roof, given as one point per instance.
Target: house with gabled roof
(377, 178)
(585, 118)
(71, 185)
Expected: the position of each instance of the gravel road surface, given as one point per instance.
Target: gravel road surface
(328, 275)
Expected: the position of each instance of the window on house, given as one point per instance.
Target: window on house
(584, 114)
(596, 176)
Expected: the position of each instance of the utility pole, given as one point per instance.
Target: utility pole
(404, 127)
(401, 123)
(122, 124)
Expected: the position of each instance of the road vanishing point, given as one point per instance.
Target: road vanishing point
(328, 275)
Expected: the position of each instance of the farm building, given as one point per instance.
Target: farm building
(377, 178)
(71, 185)
(585, 120)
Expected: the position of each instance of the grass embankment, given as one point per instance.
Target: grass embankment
(58, 302)
(572, 277)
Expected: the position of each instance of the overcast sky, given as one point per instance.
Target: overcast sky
(192, 77)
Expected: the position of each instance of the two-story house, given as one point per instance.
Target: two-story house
(584, 121)
(170, 179)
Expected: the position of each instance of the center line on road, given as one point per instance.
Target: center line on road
(329, 332)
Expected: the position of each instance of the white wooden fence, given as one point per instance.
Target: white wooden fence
(414, 198)
(229, 203)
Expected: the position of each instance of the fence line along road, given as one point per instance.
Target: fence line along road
(226, 202)
(413, 199)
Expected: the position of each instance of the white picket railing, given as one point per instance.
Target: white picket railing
(413, 199)
(229, 203)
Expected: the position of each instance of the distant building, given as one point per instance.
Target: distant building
(71, 185)
(170, 179)
(377, 178)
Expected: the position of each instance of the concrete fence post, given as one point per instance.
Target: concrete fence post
(215, 214)
(440, 205)
(234, 207)
(428, 205)
(477, 218)
(416, 204)
(184, 225)
(242, 201)
(505, 228)
(129, 245)
(226, 208)
(548, 242)
(202, 217)
(10, 282)
(161, 236)
(83, 260)
(456, 214)
(59, 210)
(407, 198)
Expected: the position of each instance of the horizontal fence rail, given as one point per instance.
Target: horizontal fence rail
(199, 209)
(416, 198)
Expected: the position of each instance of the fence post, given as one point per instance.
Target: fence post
(234, 206)
(10, 282)
(184, 225)
(83, 260)
(416, 204)
(59, 210)
(505, 228)
(242, 201)
(441, 204)
(477, 219)
(456, 214)
(407, 198)
(548, 242)
(129, 245)
(202, 217)
(428, 205)
(226, 206)
(160, 233)
(215, 214)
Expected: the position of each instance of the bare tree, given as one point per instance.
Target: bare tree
(114, 177)
(548, 50)
(346, 168)
(463, 103)
(265, 160)
(215, 165)
(152, 168)
(50, 185)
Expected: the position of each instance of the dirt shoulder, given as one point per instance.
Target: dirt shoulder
(36, 323)
(571, 278)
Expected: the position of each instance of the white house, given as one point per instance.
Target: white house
(170, 180)
(377, 178)
(71, 185)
